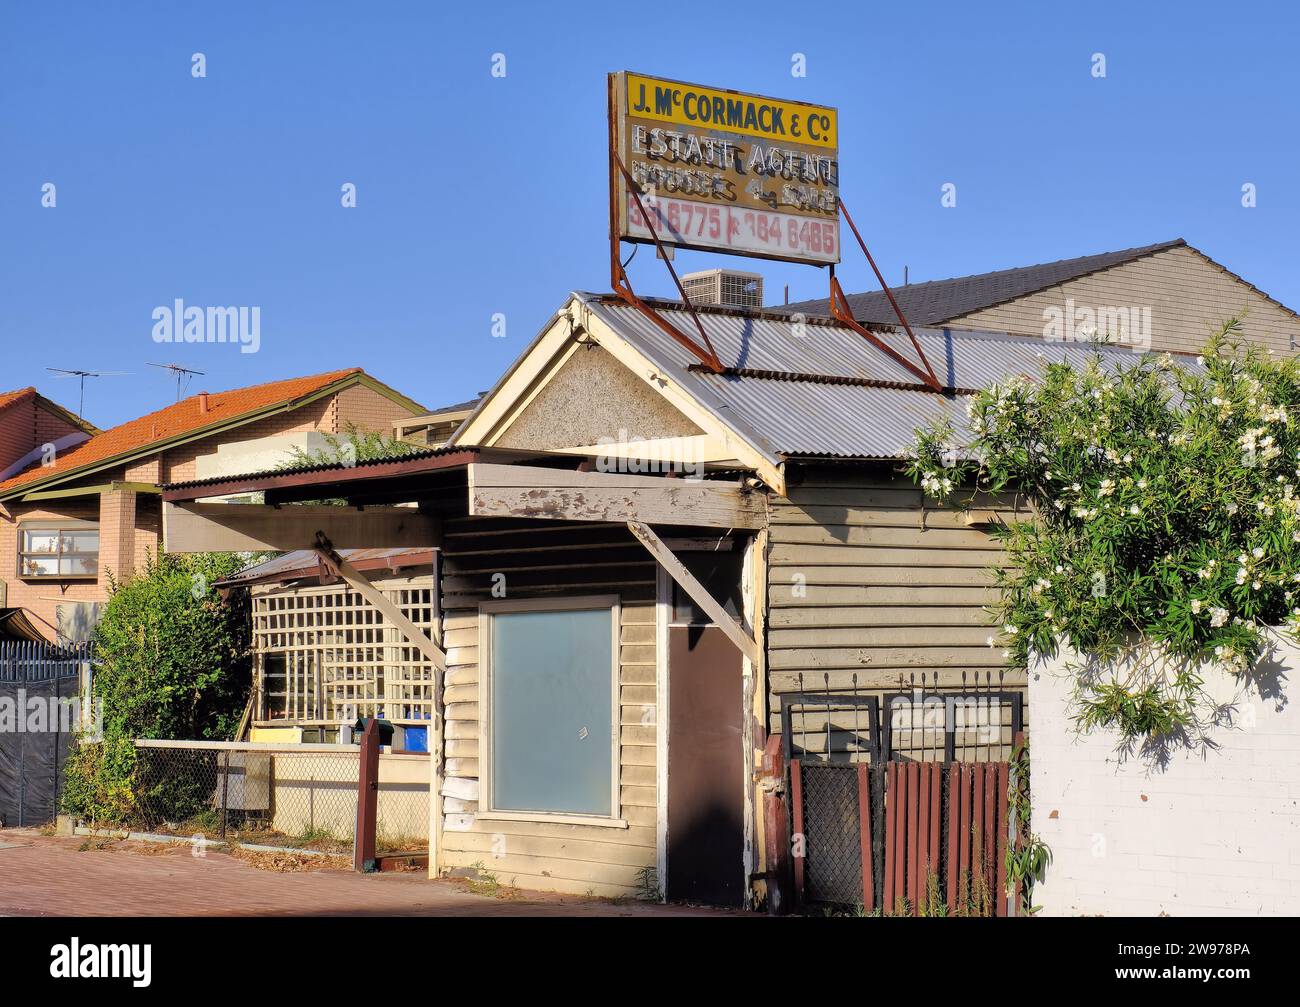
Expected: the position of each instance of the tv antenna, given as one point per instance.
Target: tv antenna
(183, 375)
(63, 372)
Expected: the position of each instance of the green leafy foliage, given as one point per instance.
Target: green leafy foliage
(352, 446)
(1027, 857)
(172, 661)
(1166, 530)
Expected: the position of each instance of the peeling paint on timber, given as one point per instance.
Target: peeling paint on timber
(523, 492)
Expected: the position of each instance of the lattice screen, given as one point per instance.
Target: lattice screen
(341, 659)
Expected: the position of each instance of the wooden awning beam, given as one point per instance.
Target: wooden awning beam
(698, 592)
(221, 527)
(356, 580)
(531, 491)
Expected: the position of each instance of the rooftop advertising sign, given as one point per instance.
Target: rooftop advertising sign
(723, 171)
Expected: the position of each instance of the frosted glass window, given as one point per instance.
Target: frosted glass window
(551, 721)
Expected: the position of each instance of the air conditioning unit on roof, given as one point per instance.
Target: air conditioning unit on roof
(726, 287)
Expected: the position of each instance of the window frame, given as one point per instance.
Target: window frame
(488, 610)
(60, 528)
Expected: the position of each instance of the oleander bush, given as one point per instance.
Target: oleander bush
(1165, 529)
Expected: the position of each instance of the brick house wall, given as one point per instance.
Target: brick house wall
(130, 522)
(368, 410)
(17, 432)
(41, 598)
(27, 425)
(178, 464)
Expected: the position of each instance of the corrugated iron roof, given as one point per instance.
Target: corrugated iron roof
(294, 470)
(822, 389)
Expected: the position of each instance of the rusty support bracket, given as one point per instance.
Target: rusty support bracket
(623, 286)
(841, 312)
(619, 282)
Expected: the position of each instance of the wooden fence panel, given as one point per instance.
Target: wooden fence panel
(962, 846)
(864, 838)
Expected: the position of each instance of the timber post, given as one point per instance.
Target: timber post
(776, 829)
(363, 846)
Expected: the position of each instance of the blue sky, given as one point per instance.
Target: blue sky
(478, 195)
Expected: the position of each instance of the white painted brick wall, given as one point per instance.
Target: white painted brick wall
(1214, 831)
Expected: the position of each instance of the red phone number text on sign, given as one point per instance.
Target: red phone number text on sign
(683, 222)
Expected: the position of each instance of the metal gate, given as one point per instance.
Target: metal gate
(40, 685)
(884, 814)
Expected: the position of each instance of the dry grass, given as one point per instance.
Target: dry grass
(287, 861)
(119, 844)
(158, 849)
(99, 844)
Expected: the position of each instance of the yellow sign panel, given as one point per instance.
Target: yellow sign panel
(712, 108)
(723, 171)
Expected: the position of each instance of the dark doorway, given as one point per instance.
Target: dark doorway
(705, 756)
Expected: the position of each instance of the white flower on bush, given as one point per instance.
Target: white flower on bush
(936, 486)
(1218, 617)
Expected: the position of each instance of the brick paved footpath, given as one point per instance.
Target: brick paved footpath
(49, 876)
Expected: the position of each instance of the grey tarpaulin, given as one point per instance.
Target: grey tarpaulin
(38, 723)
(32, 761)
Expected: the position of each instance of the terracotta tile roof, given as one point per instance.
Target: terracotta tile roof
(8, 399)
(166, 425)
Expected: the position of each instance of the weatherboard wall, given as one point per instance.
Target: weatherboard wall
(1188, 297)
(868, 579)
(548, 560)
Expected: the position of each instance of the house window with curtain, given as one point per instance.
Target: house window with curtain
(549, 709)
(58, 551)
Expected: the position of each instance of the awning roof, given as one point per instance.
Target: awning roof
(376, 480)
(306, 563)
(14, 625)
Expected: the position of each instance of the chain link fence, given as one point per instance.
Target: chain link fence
(295, 797)
(832, 830)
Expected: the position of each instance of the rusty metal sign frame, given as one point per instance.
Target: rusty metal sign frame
(618, 278)
(841, 312)
(703, 350)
